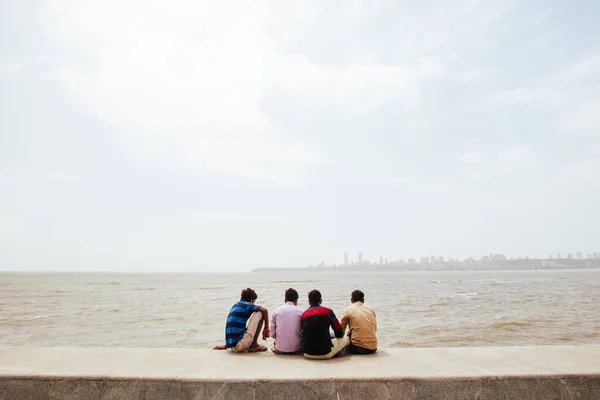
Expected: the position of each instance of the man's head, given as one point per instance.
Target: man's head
(357, 295)
(249, 295)
(291, 295)
(314, 297)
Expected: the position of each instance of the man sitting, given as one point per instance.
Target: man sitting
(244, 323)
(362, 325)
(286, 322)
(316, 320)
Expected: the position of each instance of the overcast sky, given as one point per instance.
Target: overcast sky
(227, 135)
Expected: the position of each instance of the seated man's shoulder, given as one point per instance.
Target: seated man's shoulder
(349, 308)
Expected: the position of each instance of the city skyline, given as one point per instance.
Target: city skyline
(433, 259)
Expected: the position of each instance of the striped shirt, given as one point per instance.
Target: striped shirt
(236, 321)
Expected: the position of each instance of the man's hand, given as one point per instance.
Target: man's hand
(266, 333)
(220, 347)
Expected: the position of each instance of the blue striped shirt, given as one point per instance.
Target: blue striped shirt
(236, 321)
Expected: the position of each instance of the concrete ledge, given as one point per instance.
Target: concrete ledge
(545, 372)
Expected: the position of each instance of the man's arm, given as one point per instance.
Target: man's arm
(273, 325)
(345, 320)
(335, 325)
(265, 314)
(220, 347)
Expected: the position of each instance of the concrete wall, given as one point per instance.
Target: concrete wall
(504, 388)
(548, 372)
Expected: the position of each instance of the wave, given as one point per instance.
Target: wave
(35, 317)
(440, 304)
(46, 316)
(466, 295)
(428, 329)
(510, 325)
(401, 343)
(295, 281)
(505, 323)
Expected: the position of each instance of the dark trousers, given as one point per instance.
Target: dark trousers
(359, 350)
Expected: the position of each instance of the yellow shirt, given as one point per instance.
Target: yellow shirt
(362, 322)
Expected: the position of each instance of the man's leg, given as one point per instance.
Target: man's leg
(359, 350)
(253, 327)
(338, 345)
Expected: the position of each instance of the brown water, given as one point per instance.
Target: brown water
(423, 309)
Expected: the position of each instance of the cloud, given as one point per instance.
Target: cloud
(194, 78)
(10, 68)
(570, 96)
(56, 177)
(508, 161)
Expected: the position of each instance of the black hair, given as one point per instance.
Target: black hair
(248, 295)
(358, 295)
(291, 295)
(314, 297)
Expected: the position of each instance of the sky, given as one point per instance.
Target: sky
(221, 136)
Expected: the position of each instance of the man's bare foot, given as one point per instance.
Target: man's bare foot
(220, 347)
(255, 349)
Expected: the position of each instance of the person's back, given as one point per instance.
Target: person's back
(316, 320)
(361, 320)
(286, 325)
(244, 323)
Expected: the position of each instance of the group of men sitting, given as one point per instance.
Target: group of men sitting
(298, 331)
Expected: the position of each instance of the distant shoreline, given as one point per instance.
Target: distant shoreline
(343, 269)
(289, 270)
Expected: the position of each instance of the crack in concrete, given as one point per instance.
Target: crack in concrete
(562, 381)
(101, 388)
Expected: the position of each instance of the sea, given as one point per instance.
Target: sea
(414, 309)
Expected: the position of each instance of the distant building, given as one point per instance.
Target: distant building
(596, 255)
(433, 259)
(441, 260)
(346, 258)
(360, 260)
(570, 256)
(485, 258)
(558, 256)
(412, 261)
(499, 257)
(380, 260)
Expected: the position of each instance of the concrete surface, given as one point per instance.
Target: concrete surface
(544, 372)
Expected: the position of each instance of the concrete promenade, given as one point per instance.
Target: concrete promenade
(544, 372)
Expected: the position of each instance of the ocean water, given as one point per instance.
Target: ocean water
(414, 309)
